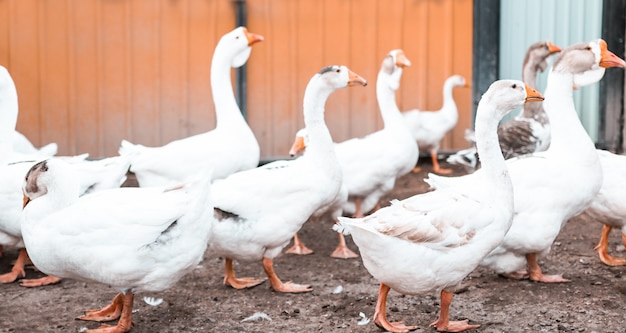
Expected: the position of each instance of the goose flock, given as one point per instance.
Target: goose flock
(70, 218)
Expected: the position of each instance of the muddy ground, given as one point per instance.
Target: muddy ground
(594, 301)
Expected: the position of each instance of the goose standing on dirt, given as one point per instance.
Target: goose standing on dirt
(92, 176)
(133, 239)
(429, 127)
(229, 148)
(528, 132)
(257, 211)
(371, 164)
(331, 211)
(431, 241)
(552, 186)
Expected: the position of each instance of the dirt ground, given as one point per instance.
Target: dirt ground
(594, 301)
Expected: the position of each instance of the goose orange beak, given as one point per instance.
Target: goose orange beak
(297, 146)
(533, 95)
(25, 201)
(552, 48)
(609, 59)
(252, 38)
(401, 60)
(355, 79)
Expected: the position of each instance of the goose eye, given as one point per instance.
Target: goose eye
(588, 48)
(514, 86)
(338, 70)
(237, 37)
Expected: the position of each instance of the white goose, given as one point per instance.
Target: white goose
(133, 239)
(429, 127)
(431, 241)
(92, 176)
(551, 186)
(333, 210)
(371, 164)
(530, 130)
(257, 211)
(228, 148)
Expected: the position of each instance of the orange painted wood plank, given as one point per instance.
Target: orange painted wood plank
(462, 64)
(309, 52)
(113, 60)
(413, 90)
(259, 107)
(336, 44)
(172, 60)
(283, 68)
(203, 36)
(365, 60)
(24, 66)
(145, 73)
(5, 36)
(54, 75)
(84, 89)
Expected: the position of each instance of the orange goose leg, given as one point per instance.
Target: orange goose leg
(443, 323)
(17, 270)
(298, 247)
(358, 212)
(380, 314)
(436, 167)
(121, 307)
(537, 275)
(238, 283)
(110, 312)
(278, 285)
(603, 248)
(342, 251)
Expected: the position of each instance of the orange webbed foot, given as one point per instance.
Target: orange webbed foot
(109, 329)
(299, 249)
(243, 283)
(290, 287)
(396, 327)
(416, 170)
(517, 275)
(453, 326)
(343, 252)
(11, 276)
(549, 278)
(110, 312)
(44, 281)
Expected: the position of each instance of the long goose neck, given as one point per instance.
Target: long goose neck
(226, 109)
(386, 97)
(320, 140)
(488, 148)
(529, 77)
(567, 132)
(449, 106)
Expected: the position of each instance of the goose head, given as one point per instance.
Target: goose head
(299, 143)
(457, 81)
(392, 67)
(507, 95)
(51, 177)
(536, 58)
(587, 62)
(236, 45)
(337, 77)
